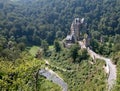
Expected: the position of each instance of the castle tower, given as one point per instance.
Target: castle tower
(75, 27)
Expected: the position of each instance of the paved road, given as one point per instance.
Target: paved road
(50, 75)
(110, 66)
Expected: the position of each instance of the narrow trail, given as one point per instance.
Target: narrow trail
(110, 66)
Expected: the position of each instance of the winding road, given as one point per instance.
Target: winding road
(54, 77)
(51, 75)
(110, 66)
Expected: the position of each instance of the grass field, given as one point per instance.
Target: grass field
(51, 47)
(33, 50)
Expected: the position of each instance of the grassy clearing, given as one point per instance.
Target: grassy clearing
(33, 50)
(51, 47)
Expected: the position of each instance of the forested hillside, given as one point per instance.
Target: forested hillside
(25, 23)
(31, 21)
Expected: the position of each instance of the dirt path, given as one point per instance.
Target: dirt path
(110, 66)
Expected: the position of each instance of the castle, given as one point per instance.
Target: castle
(76, 28)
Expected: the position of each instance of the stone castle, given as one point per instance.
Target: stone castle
(75, 31)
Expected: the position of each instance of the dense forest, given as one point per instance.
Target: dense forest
(28, 22)
(25, 23)
(32, 21)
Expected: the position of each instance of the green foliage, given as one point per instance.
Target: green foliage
(102, 48)
(19, 75)
(94, 44)
(82, 54)
(74, 51)
(33, 50)
(116, 60)
(47, 20)
(45, 46)
(21, 46)
(29, 22)
(11, 50)
(45, 85)
(11, 55)
(116, 47)
(57, 46)
(78, 54)
(51, 47)
(82, 76)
